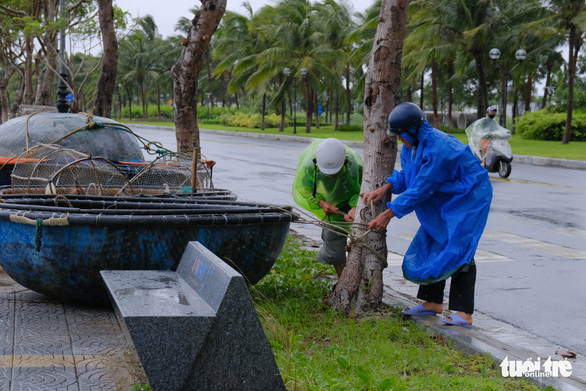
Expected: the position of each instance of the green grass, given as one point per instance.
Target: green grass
(319, 349)
(575, 150)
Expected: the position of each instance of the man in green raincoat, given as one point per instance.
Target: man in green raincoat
(327, 184)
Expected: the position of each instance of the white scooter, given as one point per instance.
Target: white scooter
(499, 154)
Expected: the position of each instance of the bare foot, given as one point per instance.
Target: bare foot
(465, 316)
(434, 307)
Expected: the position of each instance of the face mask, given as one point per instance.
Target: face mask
(491, 116)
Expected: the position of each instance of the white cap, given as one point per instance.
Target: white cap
(331, 155)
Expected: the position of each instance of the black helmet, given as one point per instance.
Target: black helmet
(404, 117)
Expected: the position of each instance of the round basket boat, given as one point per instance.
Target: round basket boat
(98, 136)
(58, 245)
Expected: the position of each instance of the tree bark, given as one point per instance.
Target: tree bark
(186, 71)
(210, 85)
(348, 94)
(308, 105)
(528, 90)
(315, 107)
(421, 84)
(360, 287)
(436, 122)
(574, 43)
(547, 84)
(482, 90)
(263, 111)
(450, 96)
(107, 80)
(46, 78)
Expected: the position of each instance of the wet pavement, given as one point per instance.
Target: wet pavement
(52, 345)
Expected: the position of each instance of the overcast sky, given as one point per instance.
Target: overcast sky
(167, 12)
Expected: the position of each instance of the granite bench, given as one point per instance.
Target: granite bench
(196, 328)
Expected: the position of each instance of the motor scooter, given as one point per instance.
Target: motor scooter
(487, 135)
(499, 154)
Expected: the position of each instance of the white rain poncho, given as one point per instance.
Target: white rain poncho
(480, 133)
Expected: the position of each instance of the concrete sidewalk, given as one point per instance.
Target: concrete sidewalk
(50, 345)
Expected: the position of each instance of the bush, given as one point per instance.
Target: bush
(350, 128)
(548, 124)
(136, 111)
(250, 120)
(166, 112)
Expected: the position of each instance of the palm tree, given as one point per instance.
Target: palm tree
(336, 27)
(138, 59)
(569, 16)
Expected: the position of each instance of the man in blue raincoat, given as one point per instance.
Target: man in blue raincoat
(444, 183)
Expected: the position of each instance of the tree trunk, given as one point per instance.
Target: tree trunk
(450, 96)
(348, 97)
(44, 94)
(107, 81)
(337, 124)
(283, 114)
(4, 103)
(574, 45)
(527, 95)
(210, 85)
(186, 71)
(360, 287)
(547, 82)
(421, 90)
(159, 102)
(263, 111)
(28, 72)
(315, 106)
(308, 105)
(436, 122)
(482, 89)
(129, 105)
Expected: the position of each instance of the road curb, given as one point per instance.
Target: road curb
(477, 342)
(521, 159)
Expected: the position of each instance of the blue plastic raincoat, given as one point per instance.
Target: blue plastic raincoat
(444, 183)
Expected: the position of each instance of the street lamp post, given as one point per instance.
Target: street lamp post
(208, 104)
(287, 73)
(495, 54)
(303, 72)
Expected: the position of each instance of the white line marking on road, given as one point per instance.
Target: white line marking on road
(534, 244)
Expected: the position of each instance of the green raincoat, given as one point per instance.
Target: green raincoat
(310, 186)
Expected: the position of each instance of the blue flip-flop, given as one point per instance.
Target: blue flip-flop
(457, 320)
(418, 309)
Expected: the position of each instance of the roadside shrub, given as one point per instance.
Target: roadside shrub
(136, 111)
(166, 112)
(250, 120)
(549, 124)
(350, 128)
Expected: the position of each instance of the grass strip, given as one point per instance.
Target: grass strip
(319, 349)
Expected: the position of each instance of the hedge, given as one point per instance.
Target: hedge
(549, 124)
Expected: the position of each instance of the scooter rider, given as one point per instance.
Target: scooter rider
(442, 181)
(479, 133)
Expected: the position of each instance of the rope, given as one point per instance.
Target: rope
(358, 241)
(39, 235)
(38, 223)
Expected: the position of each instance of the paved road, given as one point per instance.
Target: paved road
(531, 259)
